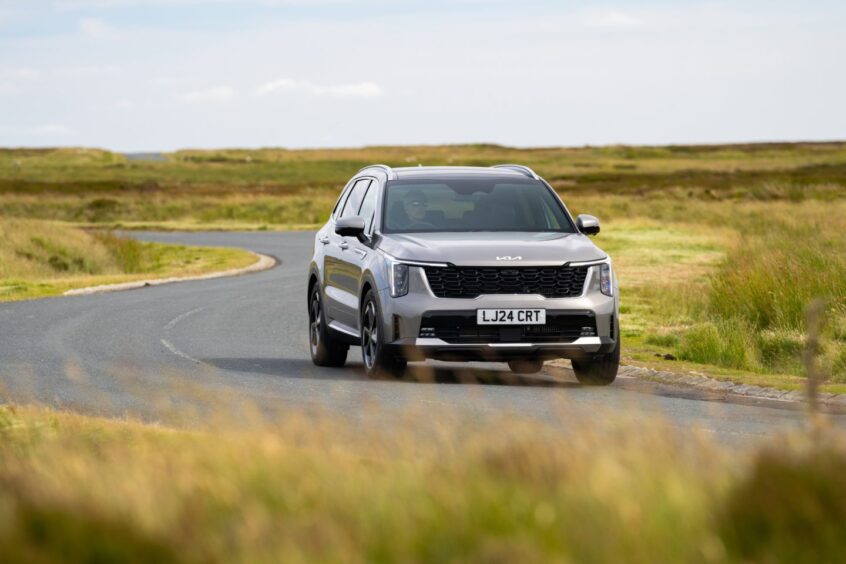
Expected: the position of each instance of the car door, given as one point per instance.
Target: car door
(359, 251)
(324, 250)
(342, 271)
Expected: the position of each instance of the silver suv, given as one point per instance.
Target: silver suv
(460, 264)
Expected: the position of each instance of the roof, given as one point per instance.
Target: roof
(426, 172)
(413, 172)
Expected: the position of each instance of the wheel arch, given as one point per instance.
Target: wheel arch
(313, 279)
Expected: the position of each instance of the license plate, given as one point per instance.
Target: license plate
(510, 317)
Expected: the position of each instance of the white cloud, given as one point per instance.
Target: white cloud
(123, 105)
(12, 78)
(222, 93)
(85, 71)
(20, 74)
(299, 86)
(611, 19)
(112, 4)
(97, 28)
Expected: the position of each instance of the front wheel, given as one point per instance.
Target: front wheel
(376, 359)
(598, 371)
(325, 349)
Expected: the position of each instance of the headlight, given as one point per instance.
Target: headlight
(397, 278)
(606, 285)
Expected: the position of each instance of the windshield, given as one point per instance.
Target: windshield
(472, 204)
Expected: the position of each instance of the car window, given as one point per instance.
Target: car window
(488, 204)
(354, 199)
(368, 206)
(341, 199)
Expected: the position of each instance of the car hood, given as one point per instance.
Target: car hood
(489, 248)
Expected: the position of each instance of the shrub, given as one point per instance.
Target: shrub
(781, 349)
(723, 342)
(127, 253)
(662, 339)
(770, 279)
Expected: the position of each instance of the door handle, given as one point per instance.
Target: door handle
(344, 245)
(324, 240)
(360, 252)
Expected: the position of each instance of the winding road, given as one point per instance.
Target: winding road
(164, 349)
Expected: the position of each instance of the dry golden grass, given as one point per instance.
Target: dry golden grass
(725, 284)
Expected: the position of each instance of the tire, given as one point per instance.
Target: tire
(377, 360)
(325, 349)
(525, 366)
(598, 371)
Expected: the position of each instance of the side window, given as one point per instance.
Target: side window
(368, 206)
(354, 200)
(340, 203)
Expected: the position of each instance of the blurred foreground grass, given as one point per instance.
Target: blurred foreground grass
(306, 488)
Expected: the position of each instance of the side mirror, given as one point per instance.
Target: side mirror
(587, 224)
(350, 227)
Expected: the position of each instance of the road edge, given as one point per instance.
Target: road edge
(711, 388)
(704, 382)
(263, 262)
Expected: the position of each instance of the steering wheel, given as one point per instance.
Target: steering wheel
(420, 224)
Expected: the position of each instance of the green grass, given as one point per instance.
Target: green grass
(308, 488)
(726, 284)
(40, 258)
(229, 211)
(278, 187)
(765, 171)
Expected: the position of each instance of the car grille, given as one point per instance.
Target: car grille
(469, 282)
(459, 327)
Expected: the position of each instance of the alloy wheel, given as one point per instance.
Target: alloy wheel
(315, 318)
(369, 335)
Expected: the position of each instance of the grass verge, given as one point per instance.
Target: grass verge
(40, 258)
(726, 286)
(75, 488)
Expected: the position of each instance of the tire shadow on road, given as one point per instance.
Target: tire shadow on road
(414, 374)
(467, 375)
(285, 368)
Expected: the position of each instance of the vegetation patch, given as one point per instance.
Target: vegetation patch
(41, 258)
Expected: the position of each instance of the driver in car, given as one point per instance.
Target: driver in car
(415, 206)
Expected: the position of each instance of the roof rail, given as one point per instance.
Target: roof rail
(384, 168)
(519, 168)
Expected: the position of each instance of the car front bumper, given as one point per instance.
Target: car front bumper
(422, 348)
(402, 318)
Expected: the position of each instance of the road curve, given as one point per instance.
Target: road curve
(143, 351)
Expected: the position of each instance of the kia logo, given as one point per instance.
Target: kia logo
(509, 258)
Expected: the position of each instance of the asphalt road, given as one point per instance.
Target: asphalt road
(167, 349)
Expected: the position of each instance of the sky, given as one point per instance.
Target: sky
(150, 75)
